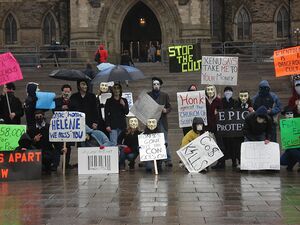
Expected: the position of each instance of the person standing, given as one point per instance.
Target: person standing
(162, 98)
(185, 130)
(101, 54)
(152, 52)
(126, 61)
(11, 111)
(294, 100)
(30, 102)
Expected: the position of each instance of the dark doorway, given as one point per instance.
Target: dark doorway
(140, 29)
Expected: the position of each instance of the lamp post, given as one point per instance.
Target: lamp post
(297, 32)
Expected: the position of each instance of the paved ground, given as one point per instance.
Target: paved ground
(173, 197)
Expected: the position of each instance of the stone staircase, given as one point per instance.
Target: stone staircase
(250, 74)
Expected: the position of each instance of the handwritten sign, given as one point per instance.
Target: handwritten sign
(230, 123)
(256, 155)
(184, 58)
(129, 98)
(98, 161)
(146, 108)
(191, 104)
(10, 70)
(218, 70)
(25, 165)
(152, 146)
(287, 61)
(200, 153)
(67, 127)
(290, 133)
(10, 136)
(45, 100)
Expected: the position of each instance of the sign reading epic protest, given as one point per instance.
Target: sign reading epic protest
(9, 69)
(219, 70)
(191, 104)
(184, 58)
(200, 153)
(67, 127)
(287, 61)
(290, 133)
(10, 135)
(23, 165)
(152, 146)
(230, 122)
(256, 155)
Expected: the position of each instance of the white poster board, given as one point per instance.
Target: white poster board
(200, 153)
(219, 70)
(152, 146)
(256, 155)
(146, 108)
(94, 160)
(129, 98)
(67, 126)
(191, 104)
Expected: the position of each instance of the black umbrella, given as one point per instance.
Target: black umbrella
(66, 74)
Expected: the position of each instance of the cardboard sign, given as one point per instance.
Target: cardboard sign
(10, 136)
(146, 108)
(184, 58)
(45, 100)
(10, 70)
(21, 165)
(256, 155)
(152, 147)
(290, 133)
(287, 61)
(218, 70)
(191, 104)
(200, 153)
(94, 160)
(129, 98)
(230, 123)
(67, 126)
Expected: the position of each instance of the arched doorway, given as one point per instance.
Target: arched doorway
(140, 29)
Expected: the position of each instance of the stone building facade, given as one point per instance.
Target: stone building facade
(83, 24)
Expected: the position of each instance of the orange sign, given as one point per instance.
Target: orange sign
(287, 61)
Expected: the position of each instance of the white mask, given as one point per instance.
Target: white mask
(289, 115)
(260, 120)
(133, 123)
(297, 89)
(244, 96)
(156, 85)
(228, 94)
(210, 91)
(103, 87)
(151, 124)
(199, 127)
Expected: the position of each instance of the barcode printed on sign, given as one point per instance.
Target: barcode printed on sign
(99, 162)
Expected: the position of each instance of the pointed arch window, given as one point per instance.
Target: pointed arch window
(243, 25)
(282, 22)
(49, 29)
(10, 29)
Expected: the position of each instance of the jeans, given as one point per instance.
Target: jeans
(290, 157)
(113, 136)
(130, 157)
(163, 130)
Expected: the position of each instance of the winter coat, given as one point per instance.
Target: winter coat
(103, 54)
(211, 106)
(29, 104)
(15, 107)
(126, 60)
(115, 113)
(292, 103)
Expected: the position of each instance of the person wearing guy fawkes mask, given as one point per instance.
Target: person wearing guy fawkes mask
(270, 100)
(116, 109)
(162, 98)
(244, 101)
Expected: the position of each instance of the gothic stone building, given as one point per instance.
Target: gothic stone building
(135, 24)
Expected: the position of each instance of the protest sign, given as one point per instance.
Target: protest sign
(200, 153)
(219, 70)
(128, 96)
(20, 165)
(102, 99)
(10, 70)
(290, 133)
(191, 104)
(146, 108)
(152, 146)
(184, 58)
(45, 100)
(67, 126)
(256, 155)
(230, 123)
(10, 135)
(287, 61)
(94, 160)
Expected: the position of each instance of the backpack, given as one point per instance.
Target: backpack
(97, 57)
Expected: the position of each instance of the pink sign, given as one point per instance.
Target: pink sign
(10, 70)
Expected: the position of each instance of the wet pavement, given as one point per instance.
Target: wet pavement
(173, 197)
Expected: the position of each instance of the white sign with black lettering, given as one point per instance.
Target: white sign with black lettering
(256, 155)
(200, 153)
(129, 98)
(152, 146)
(94, 160)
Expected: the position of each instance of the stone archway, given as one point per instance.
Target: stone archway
(112, 16)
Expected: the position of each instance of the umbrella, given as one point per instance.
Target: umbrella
(65, 74)
(118, 73)
(104, 66)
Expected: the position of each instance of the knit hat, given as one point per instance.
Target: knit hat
(262, 111)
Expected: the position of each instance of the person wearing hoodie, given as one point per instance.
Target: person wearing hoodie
(30, 102)
(185, 130)
(101, 54)
(270, 100)
(294, 101)
(12, 116)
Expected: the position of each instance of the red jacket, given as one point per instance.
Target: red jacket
(103, 54)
